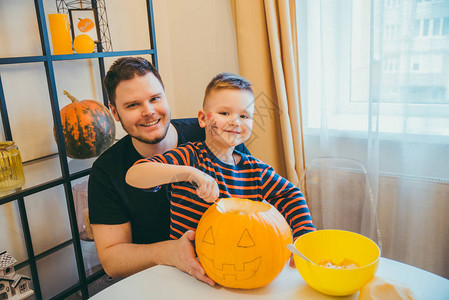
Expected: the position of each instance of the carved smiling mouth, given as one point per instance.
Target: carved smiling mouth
(243, 271)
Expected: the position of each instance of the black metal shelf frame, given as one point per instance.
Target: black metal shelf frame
(66, 179)
(31, 59)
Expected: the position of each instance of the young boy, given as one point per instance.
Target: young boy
(201, 172)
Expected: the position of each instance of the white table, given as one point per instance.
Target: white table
(163, 282)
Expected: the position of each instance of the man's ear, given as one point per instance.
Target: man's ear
(202, 118)
(114, 112)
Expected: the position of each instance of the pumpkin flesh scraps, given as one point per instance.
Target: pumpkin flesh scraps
(235, 206)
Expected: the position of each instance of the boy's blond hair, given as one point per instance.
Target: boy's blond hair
(227, 80)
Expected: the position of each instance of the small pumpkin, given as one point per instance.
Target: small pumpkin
(88, 127)
(85, 25)
(83, 44)
(242, 243)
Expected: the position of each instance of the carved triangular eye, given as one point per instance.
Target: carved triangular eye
(246, 240)
(208, 237)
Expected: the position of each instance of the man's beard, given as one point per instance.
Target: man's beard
(143, 139)
(154, 140)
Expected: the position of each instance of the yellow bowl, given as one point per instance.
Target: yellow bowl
(336, 246)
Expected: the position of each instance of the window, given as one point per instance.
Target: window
(391, 64)
(347, 66)
(445, 29)
(417, 29)
(392, 3)
(425, 27)
(391, 32)
(426, 63)
(436, 26)
(431, 27)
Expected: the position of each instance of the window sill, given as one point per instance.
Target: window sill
(419, 129)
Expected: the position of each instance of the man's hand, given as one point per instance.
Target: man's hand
(184, 258)
(206, 186)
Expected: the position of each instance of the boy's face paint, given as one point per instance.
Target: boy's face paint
(213, 126)
(209, 116)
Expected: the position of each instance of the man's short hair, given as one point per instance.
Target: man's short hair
(227, 80)
(126, 68)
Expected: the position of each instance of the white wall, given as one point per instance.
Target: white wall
(195, 41)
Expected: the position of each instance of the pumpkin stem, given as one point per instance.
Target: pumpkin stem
(70, 96)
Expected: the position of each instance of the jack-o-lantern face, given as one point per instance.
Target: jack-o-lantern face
(242, 243)
(240, 269)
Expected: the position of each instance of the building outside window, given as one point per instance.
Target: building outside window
(390, 64)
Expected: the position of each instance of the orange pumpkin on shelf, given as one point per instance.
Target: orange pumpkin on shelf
(88, 127)
(242, 243)
(83, 44)
(85, 25)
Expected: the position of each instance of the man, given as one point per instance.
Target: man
(217, 168)
(131, 226)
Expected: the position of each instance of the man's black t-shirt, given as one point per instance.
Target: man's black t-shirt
(112, 201)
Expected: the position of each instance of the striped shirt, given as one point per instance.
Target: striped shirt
(250, 179)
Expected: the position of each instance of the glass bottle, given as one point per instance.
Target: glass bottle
(11, 169)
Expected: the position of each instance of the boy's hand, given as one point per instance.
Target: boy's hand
(206, 186)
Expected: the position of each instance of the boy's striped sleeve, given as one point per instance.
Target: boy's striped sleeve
(289, 200)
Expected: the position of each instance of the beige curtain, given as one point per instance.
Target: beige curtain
(268, 57)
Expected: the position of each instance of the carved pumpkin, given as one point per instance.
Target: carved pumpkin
(242, 243)
(88, 127)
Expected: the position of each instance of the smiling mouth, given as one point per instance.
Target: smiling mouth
(245, 271)
(232, 132)
(151, 123)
